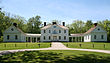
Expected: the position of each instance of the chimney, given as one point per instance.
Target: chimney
(95, 24)
(63, 23)
(44, 23)
(15, 24)
(54, 23)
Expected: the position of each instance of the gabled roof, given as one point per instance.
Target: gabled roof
(45, 27)
(48, 26)
(17, 29)
(82, 34)
(20, 30)
(90, 30)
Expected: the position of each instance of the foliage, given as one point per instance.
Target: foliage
(54, 57)
(34, 24)
(77, 26)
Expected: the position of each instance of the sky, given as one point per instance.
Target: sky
(62, 10)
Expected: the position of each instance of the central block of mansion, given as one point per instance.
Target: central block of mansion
(54, 32)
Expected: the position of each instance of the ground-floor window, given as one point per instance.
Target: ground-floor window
(16, 37)
(64, 37)
(94, 36)
(102, 37)
(88, 36)
(44, 37)
(49, 38)
(59, 37)
(8, 37)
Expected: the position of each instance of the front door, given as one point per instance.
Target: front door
(54, 38)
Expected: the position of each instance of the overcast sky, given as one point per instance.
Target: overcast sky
(63, 10)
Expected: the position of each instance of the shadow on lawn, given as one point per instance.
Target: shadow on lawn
(51, 57)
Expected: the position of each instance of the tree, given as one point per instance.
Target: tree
(34, 24)
(88, 25)
(77, 26)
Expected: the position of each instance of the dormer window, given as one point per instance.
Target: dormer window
(12, 29)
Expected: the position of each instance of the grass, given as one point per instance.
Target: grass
(12, 46)
(55, 56)
(88, 45)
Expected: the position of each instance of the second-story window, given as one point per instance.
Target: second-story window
(54, 32)
(49, 31)
(44, 31)
(59, 31)
(64, 31)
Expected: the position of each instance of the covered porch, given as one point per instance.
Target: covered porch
(32, 37)
(76, 37)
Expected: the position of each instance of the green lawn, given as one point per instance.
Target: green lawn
(11, 46)
(55, 56)
(88, 45)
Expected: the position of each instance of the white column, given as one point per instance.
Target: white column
(72, 39)
(31, 39)
(36, 39)
(75, 39)
(81, 38)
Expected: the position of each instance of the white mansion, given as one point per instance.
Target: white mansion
(54, 32)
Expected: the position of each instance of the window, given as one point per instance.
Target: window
(12, 29)
(49, 31)
(54, 32)
(44, 31)
(98, 28)
(44, 37)
(59, 31)
(64, 37)
(59, 37)
(8, 37)
(54, 26)
(49, 37)
(102, 37)
(88, 36)
(94, 36)
(64, 31)
(16, 37)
